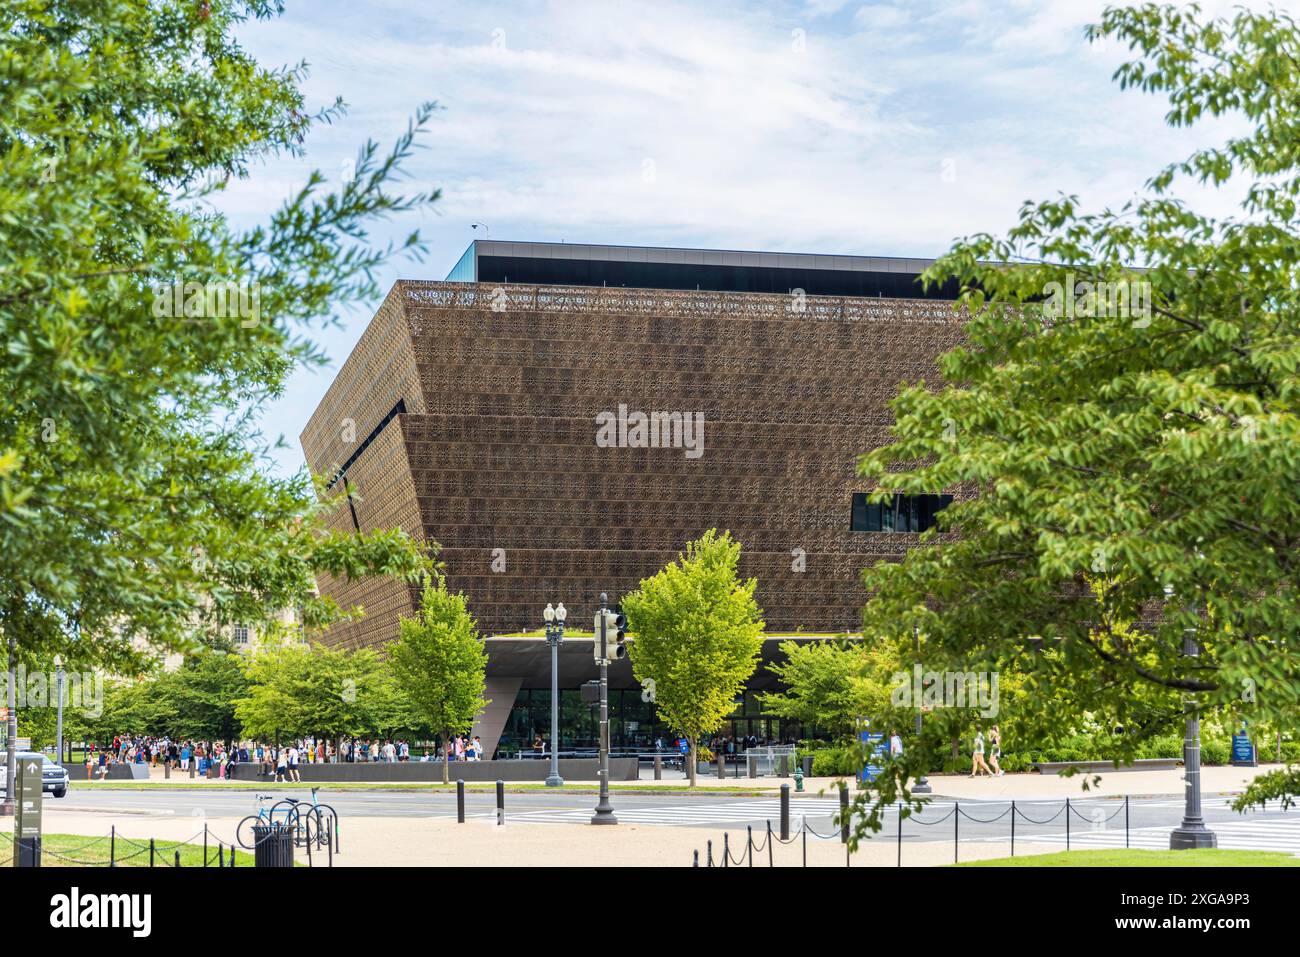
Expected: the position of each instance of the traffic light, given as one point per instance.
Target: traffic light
(615, 634)
(620, 626)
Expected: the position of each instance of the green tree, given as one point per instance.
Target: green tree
(1132, 436)
(440, 663)
(134, 496)
(822, 682)
(327, 692)
(698, 634)
(199, 698)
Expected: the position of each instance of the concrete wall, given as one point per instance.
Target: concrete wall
(571, 769)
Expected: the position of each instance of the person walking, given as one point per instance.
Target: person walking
(995, 749)
(977, 756)
(293, 764)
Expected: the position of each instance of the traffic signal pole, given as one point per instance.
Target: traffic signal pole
(604, 810)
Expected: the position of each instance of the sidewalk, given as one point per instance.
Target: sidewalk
(1023, 786)
(440, 842)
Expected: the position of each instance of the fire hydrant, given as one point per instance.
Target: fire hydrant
(798, 778)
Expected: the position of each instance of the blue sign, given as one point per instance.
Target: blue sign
(877, 751)
(1243, 752)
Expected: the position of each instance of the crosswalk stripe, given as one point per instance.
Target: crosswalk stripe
(1264, 835)
(687, 814)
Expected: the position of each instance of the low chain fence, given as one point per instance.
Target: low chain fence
(1064, 819)
(271, 844)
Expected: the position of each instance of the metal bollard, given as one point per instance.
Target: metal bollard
(722, 765)
(844, 814)
(460, 801)
(785, 812)
(752, 761)
(784, 766)
(193, 767)
(501, 802)
(167, 770)
(659, 776)
(178, 857)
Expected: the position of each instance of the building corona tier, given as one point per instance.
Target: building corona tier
(563, 419)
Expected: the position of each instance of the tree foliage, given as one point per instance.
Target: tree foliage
(698, 634)
(136, 502)
(440, 664)
(1130, 468)
(135, 498)
(823, 685)
(326, 692)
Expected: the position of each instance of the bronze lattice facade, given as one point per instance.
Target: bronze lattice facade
(467, 414)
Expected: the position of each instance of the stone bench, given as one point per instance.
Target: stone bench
(1141, 764)
(571, 769)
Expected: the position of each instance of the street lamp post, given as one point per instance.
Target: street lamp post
(58, 683)
(604, 810)
(554, 635)
(1192, 833)
(922, 785)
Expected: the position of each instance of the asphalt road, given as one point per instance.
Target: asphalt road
(1093, 823)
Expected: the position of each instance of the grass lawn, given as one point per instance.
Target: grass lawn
(78, 850)
(1123, 857)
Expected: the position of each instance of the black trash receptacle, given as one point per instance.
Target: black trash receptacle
(807, 765)
(274, 845)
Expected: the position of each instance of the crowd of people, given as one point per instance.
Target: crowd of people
(281, 762)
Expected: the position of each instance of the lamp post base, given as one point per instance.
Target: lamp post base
(922, 787)
(604, 815)
(1190, 836)
(553, 780)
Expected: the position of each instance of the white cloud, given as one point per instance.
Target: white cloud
(792, 125)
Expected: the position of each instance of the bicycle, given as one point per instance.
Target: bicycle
(319, 818)
(283, 813)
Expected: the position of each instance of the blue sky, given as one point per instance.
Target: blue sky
(805, 126)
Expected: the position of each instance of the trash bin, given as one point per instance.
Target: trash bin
(274, 845)
(807, 765)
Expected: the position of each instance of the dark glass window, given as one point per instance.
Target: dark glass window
(906, 513)
(656, 275)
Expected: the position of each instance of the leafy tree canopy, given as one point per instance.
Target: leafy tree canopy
(1123, 420)
(698, 636)
(440, 664)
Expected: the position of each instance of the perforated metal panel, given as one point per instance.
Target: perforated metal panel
(498, 449)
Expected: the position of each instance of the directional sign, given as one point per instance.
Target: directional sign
(27, 824)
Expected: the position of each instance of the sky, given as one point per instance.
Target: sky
(793, 125)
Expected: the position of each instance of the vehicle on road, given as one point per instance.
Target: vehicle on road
(54, 777)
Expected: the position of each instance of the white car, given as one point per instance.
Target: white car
(54, 777)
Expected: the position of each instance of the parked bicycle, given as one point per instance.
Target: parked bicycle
(313, 824)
